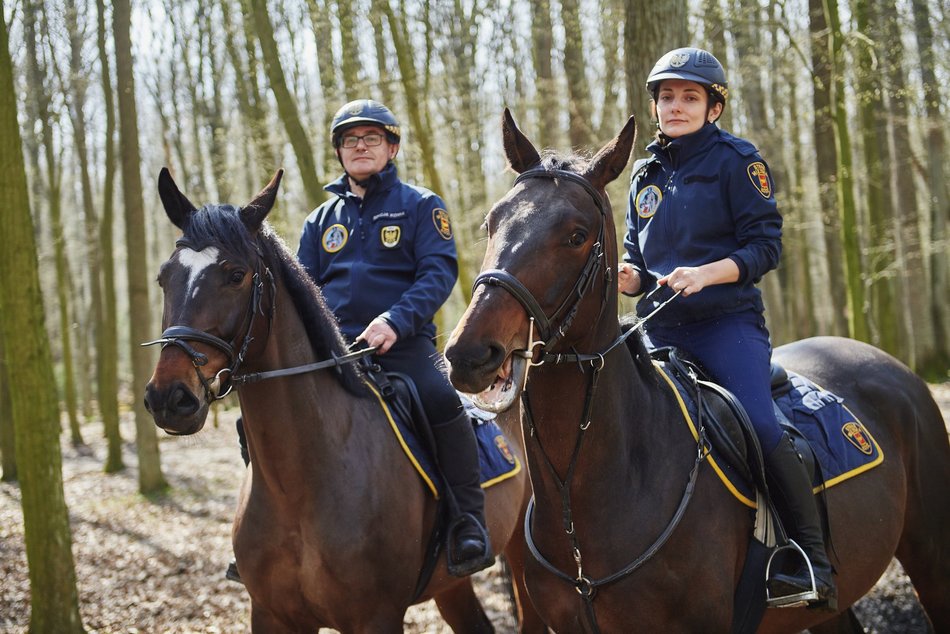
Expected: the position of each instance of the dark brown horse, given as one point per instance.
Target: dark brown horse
(608, 459)
(332, 522)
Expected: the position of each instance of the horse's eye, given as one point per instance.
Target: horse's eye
(236, 277)
(577, 239)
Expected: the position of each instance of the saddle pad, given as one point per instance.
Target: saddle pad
(496, 461)
(843, 446)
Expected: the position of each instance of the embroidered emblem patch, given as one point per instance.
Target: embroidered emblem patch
(857, 436)
(647, 201)
(334, 238)
(440, 218)
(390, 236)
(759, 176)
(679, 59)
(503, 447)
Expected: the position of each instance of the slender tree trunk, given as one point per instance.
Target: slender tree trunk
(610, 117)
(7, 440)
(831, 314)
(575, 68)
(108, 340)
(213, 108)
(376, 14)
(333, 97)
(938, 186)
(286, 106)
(54, 600)
(140, 323)
(714, 32)
(542, 49)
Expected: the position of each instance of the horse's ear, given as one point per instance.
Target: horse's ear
(254, 212)
(176, 205)
(612, 158)
(519, 150)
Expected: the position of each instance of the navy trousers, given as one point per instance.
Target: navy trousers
(418, 358)
(735, 350)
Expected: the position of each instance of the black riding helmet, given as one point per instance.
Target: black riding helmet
(364, 112)
(691, 64)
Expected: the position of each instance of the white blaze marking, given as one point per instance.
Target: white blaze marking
(196, 262)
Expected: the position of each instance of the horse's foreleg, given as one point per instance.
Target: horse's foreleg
(529, 621)
(462, 610)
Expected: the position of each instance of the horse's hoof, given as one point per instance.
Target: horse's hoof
(232, 573)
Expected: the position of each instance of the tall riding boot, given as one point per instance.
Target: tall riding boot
(469, 549)
(790, 479)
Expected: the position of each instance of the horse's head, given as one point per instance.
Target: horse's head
(548, 273)
(215, 284)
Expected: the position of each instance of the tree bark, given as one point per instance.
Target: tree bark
(286, 106)
(542, 48)
(580, 132)
(54, 600)
(151, 479)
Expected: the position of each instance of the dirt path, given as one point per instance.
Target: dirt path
(158, 566)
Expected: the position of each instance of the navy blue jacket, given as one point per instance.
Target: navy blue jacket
(703, 197)
(390, 254)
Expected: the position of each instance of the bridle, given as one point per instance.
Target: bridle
(550, 330)
(226, 379)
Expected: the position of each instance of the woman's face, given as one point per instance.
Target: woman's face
(681, 107)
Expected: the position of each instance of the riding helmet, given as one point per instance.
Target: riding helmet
(691, 64)
(364, 112)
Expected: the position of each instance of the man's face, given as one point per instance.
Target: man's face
(362, 160)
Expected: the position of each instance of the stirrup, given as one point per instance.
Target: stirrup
(808, 598)
(471, 565)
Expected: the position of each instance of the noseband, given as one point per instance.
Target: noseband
(551, 329)
(180, 336)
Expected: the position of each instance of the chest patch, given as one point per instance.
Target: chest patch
(759, 176)
(390, 235)
(440, 218)
(647, 201)
(334, 238)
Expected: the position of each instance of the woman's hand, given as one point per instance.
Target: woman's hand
(692, 279)
(628, 279)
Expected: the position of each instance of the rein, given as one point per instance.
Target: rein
(180, 336)
(584, 585)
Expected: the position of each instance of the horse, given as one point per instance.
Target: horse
(332, 522)
(629, 530)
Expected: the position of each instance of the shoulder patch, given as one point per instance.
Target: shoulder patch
(334, 238)
(759, 175)
(440, 218)
(648, 200)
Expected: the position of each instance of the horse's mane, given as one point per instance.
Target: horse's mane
(638, 349)
(571, 162)
(221, 225)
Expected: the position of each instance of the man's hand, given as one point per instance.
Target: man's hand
(379, 334)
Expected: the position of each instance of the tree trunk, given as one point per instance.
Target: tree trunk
(107, 380)
(286, 106)
(7, 440)
(326, 70)
(542, 49)
(575, 68)
(54, 600)
(937, 185)
(610, 117)
(140, 323)
(714, 34)
(213, 108)
(376, 13)
(831, 314)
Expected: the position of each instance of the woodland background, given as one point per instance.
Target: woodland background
(846, 100)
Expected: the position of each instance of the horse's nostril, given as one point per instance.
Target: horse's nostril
(182, 402)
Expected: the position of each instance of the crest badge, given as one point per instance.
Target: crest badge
(390, 236)
(759, 176)
(334, 238)
(648, 200)
(857, 436)
(679, 59)
(504, 449)
(440, 218)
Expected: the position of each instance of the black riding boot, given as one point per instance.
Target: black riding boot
(469, 549)
(789, 478)
(232, 571)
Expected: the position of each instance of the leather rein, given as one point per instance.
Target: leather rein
(227, 379)
(550, 330)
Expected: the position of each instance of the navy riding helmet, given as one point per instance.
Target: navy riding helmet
(691, 64)
(364, 112)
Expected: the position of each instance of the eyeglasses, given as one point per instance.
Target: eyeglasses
(371, 140)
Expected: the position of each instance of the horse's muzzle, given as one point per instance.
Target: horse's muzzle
(175, 408)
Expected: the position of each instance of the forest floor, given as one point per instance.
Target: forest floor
(156, 565)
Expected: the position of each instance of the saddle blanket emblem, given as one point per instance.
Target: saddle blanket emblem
(843, 447)
(496, 461)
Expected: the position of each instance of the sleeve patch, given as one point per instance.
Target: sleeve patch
(759, 175)
(440, 218)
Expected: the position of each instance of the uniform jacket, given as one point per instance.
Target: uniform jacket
(701, 198)
(390, 254)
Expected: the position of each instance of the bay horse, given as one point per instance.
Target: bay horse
(332, 522)
(612, 466)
